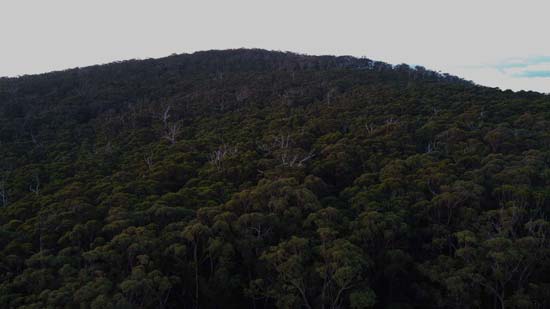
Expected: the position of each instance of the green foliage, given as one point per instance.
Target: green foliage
(256, 179)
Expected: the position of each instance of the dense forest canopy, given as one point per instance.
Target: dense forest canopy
(260, 179)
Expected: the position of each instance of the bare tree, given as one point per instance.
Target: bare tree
(369, 127)
(34, 139)
(390, 124)
(166, 116)
(173, 130)
(148, 158)
(432, 146)
(287, 155)
(34, 187)
(4, 176)
(299, 160)
(282, 141)
(329, 95)
(217, 157)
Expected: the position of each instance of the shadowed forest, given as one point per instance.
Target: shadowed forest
(260, 179)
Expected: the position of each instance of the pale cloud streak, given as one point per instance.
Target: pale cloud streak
(517, 73)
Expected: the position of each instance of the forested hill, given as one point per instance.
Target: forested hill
(259, 179)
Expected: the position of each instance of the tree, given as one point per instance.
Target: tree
(289, 260)
(195, 234)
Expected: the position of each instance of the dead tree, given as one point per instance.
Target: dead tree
(329, 95)
(297, 160)
(148, 158)
(166, 116)
(369, 127)
(4, 187)
(390, 124)
(287, 155)
(171, 129)
(431, 147)
(217, 157)
(172, 132)
(34, 187)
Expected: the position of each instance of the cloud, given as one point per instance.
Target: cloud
(528, 67)
(532, 68)
(532, 74)
(528, 73)
(517, 73)
(522, 62)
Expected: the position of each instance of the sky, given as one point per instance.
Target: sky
(500, 43)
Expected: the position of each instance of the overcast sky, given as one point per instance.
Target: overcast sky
(495, 43)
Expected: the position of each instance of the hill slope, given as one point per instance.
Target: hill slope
(249, 178)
